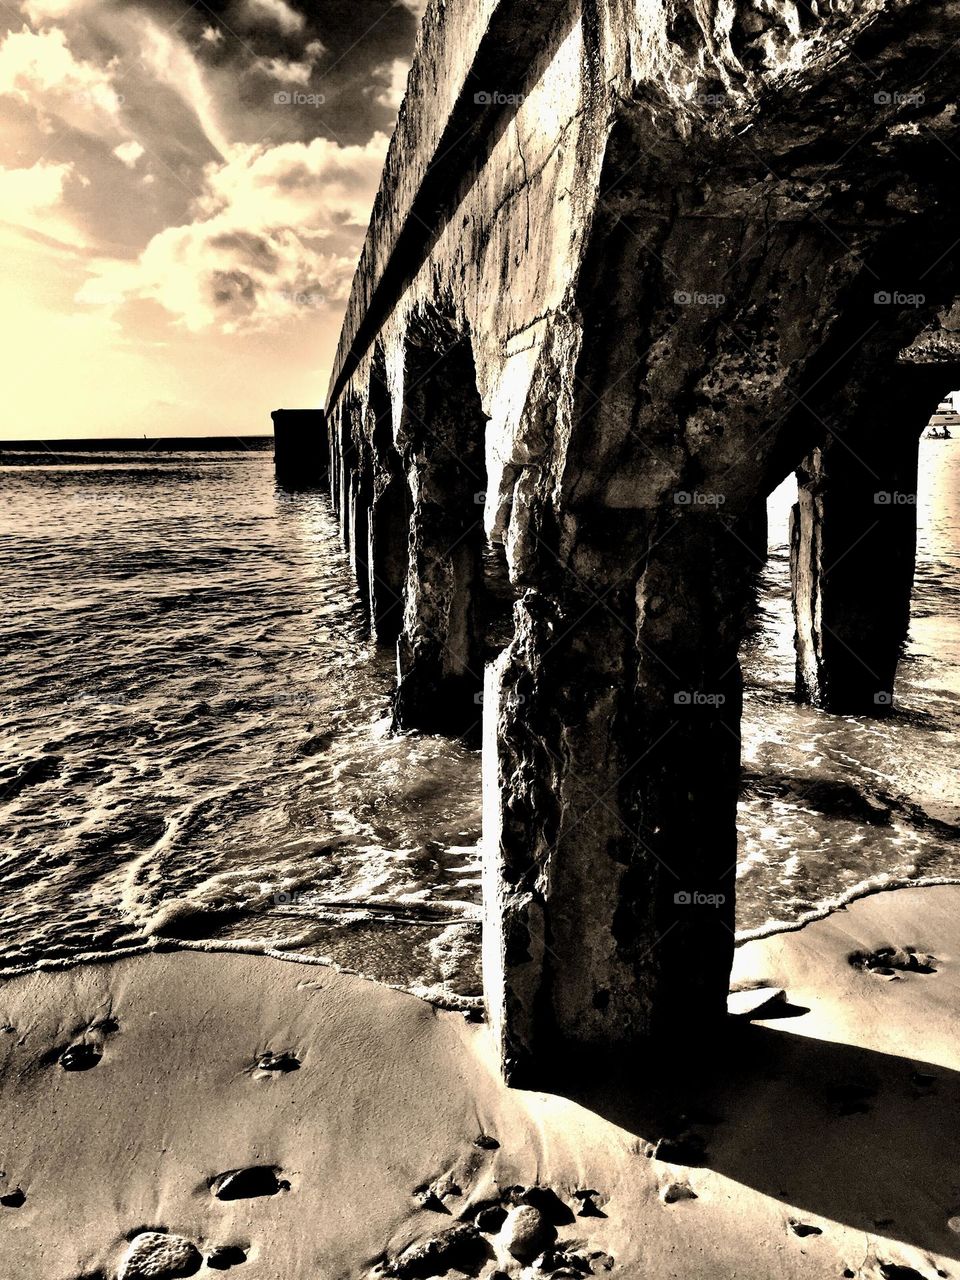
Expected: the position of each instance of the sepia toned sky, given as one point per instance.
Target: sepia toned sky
(184, 190)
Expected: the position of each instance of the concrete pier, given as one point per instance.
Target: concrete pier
(627, 268)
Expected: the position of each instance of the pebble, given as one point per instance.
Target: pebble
(242, 1184)
(225, 1256)
(804, 1229)
(459, 1248)
(13, 1199)
(154, 1255)
(80, 1057)
(676, 1191)
(491, 1219)
(278, 1062)
(526, 1233)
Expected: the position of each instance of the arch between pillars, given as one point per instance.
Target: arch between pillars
(441, 442)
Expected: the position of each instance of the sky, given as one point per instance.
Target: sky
(184, 192)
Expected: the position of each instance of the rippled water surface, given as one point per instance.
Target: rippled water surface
(195, 734)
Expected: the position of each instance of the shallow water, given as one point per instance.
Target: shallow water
(195, 734)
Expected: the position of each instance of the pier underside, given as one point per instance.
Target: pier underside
(621, 280)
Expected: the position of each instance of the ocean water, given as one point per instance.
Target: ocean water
(195, 735)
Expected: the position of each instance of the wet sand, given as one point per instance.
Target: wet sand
(234, 1113)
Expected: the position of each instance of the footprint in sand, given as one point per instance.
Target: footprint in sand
(87, 1050)
(891, 962)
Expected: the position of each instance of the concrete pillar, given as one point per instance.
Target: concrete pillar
(361, 498)
(347, 458)
(853, 539)
(388, 555)
(610, 795)
(440, 649)
(390, 512)
(334, 435)
(301, 447)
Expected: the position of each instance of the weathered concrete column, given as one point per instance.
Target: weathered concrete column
(301, 447)
(853, 536)
(610, 793)
(389, 515)
(440, 649)
(361, 498)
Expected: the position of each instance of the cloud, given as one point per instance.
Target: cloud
(40, 12)
(390, 94)
(129, 153)
(32, 200)
(292, 72)
(39, 69)
(276, 230)
(212, 35)
(278, 12)
(173, 64)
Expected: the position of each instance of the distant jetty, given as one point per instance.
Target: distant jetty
(141, 444)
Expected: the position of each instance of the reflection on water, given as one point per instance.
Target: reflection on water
(196, 738)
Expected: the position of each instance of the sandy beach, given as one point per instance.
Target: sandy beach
(380, 1140)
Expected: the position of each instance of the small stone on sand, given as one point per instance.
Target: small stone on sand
(154, 1255)
(243, 1184)
(491, 1219)
(80, 1057)
(460, 1248)
(13, 1199)
(526, 1233)
(804, 1229)
(225, 1256)
(278, 1062)
(673, 1192)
